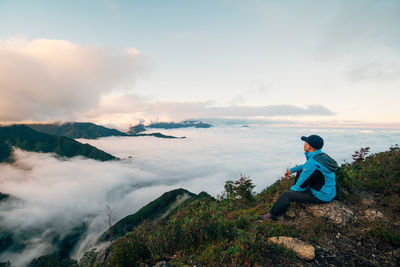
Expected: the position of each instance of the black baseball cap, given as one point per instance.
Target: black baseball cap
(315, 141)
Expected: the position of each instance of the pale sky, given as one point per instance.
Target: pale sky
(122, 61)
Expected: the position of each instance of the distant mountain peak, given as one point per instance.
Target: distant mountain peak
(139, 128)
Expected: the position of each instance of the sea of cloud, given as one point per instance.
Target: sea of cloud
(56, 195)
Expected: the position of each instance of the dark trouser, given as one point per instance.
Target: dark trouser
(283, 202)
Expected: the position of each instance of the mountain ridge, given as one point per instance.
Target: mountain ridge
(87, 130)
(26, 138)
(76, 130)
(136, 129)
(156, 209)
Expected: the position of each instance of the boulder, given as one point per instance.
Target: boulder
(334, 211)
(302, 249)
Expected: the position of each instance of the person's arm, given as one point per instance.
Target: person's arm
(301, 184)
(297, 168)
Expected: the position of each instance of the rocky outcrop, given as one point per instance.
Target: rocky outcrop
(302, 249)
(335, 211)
(340, 213)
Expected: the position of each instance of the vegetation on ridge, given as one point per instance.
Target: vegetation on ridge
(151, 211)
(76, 130)
(25, 138)
(5, 151)
(87, 130)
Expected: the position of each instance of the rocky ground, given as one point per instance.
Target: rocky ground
(346, 241)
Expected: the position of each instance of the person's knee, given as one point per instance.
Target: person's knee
(286, 194)
(284, 197)
(290, 196)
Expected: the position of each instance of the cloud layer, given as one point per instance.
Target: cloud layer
(47, 79)
(130, 108)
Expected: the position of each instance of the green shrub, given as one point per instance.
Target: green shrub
(88, 259)
(53, 260)
(127, 252)
(241, 190)
(379, 173)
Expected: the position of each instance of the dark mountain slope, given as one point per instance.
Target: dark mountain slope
(139, 128)
(23, 137)
(5, 151)
(86, 130)
(3, 197)
(134, 130)
(156, 209)
(76, 130)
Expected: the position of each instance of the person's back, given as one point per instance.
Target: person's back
(328, 167)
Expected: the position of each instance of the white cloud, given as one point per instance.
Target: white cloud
(120, 111)
(46, 79)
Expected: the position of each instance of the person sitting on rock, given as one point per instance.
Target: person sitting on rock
(314, 182)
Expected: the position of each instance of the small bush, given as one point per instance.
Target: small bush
(127, 252)
(241, 190)
(53, 260)
(379, 173)
(88, 259)
(360, 155)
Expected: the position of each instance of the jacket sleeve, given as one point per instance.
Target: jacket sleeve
(308, 168)
(297, 168)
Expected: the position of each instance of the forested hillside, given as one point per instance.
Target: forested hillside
(25, 138)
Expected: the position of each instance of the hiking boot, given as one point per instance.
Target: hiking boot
(268, 216)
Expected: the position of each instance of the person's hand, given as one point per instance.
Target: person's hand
(288, 173)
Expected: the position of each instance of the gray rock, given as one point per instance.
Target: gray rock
(334, 211)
